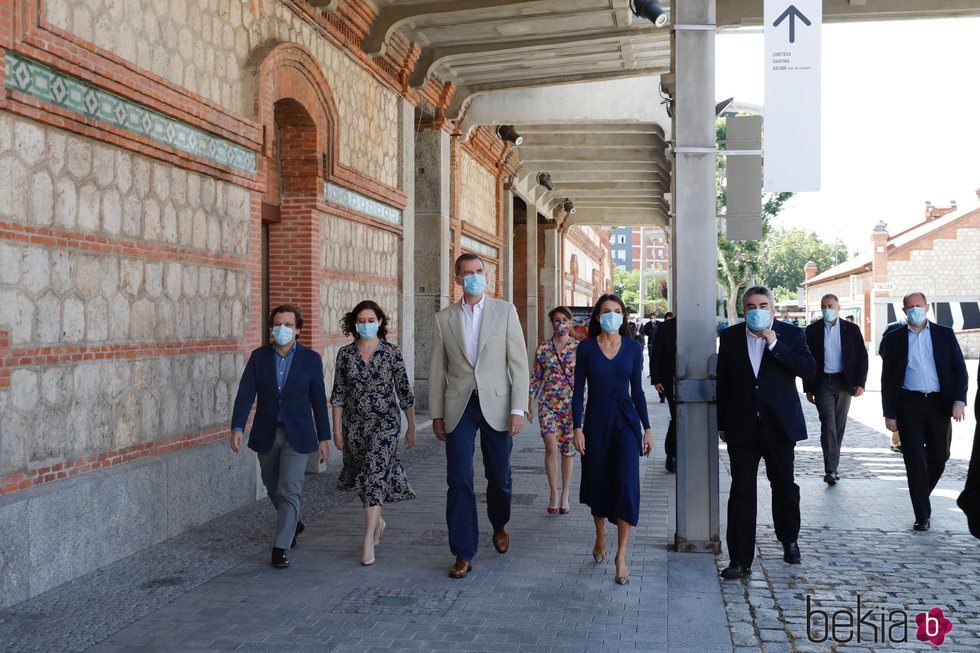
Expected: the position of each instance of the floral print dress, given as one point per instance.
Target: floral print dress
(372, 394)
(552, 381)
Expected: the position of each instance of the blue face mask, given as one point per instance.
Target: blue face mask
(916, 314)
(610, 322)
(367, 330)
(474, 284)
(758, 319)
(282, 334)
(829, 314)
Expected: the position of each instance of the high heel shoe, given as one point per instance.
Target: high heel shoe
(622, 580)
(380, 532)
(599, 552)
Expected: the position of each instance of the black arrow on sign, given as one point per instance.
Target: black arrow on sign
(792, 13)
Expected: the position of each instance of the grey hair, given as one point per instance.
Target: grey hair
(829, 295)
(759, 290)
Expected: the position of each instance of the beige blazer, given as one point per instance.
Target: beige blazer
(501, 372)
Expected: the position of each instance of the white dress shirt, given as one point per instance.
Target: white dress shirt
(832, 360)
(757, 346)
(472, 321)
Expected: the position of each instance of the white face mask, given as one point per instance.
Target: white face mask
(282, 334)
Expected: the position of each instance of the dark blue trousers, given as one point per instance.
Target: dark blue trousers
(461, 516)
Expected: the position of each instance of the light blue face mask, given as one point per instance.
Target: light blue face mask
(916, 314)
(759, 319)
(610, 322)
(282, 334)
(474, 284)
(829, 314)
(367, 330)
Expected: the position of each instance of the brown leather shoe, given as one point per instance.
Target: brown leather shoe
(501, 540)
(460, 568)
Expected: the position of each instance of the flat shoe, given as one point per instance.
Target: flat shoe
(460, 568)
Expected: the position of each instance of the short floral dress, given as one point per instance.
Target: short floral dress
(372, 394)
(552, 381)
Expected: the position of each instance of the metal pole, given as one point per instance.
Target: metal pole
(695, 249)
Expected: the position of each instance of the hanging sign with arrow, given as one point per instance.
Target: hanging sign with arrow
(791, 145)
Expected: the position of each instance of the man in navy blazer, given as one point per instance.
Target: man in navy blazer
(290, 420)
(760, 417)
(923, 383)
(842, 370)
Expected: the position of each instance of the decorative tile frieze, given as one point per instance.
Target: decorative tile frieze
(66, 92)
(357, 202)
(479, 247)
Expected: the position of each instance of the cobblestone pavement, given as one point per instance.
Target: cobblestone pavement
(857, 541)
(213, 588)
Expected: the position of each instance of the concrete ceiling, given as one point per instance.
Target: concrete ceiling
(613, 168)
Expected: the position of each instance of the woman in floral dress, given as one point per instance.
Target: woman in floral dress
(370, 386)
(552, 381)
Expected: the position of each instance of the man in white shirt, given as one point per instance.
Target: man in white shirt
(478, 381)
(842, 371)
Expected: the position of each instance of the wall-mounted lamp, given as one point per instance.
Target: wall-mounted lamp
(568, 206)
(509, 134)
(651, 10)
(721, 106)
(544, 179)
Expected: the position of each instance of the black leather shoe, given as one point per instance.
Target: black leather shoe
(300, 527)
(791, 553)
(736, 570)
(921, 525)
(279, 559)
(671, 464)
(829, 478)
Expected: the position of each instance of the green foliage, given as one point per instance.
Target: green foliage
(627, 286)
(786, 252)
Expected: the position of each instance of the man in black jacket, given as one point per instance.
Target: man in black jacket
(842, 371)
(663, 361)
(760, 417)
(969, 500)
(923, 383)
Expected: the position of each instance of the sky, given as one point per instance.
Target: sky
(900, 121)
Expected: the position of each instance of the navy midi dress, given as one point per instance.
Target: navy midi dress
(613, 437)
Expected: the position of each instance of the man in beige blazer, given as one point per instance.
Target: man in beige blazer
(478, 380)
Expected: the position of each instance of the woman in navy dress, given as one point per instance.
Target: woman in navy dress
(608, 435)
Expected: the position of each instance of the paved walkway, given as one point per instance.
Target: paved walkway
(212, 588)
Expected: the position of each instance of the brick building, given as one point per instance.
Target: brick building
(173, 169)
(937, 256)
(627, 252)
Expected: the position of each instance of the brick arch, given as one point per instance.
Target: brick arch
(300, 126)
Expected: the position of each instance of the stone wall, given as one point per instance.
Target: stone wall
(478, 193)
(950, 268)
(585, 264)
(207, 46)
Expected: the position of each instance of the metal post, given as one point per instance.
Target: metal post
(695, 249)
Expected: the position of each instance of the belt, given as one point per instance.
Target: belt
(934, 393)
(833, 374)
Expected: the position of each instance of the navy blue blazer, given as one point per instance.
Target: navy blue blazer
(744, 399)
(854, 355)
(950, 367)
(304, 400)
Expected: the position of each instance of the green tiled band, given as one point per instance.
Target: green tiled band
(481, 248)
(66, 92)
(357, 202)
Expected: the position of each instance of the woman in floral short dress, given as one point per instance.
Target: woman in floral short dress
(370, 386)
(552, 382)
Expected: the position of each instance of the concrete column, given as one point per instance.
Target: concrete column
(432, 264)
(879, 275)
(532, 279)
(550, 271)
(508, 254)
(695, 244)
(406, 178)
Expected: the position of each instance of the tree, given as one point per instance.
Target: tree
(786, 252)
(740, 261)
(627, 286)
